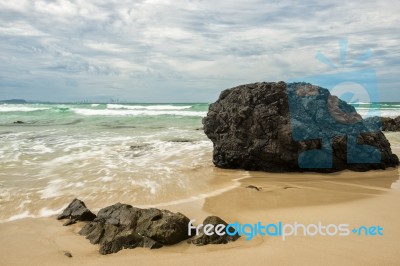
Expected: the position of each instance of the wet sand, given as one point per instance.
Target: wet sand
(370, 198)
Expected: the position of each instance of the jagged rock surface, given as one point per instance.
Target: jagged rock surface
(391, 124)
(122, 226)
(251, 128)
(76, 211)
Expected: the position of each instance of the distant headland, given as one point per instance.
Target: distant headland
(13, 101)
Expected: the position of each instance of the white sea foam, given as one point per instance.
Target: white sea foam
(25, 214)
(368, 112)
(44, 212)
(122, 112)
(148, 107)
(14, 108)
(53, 188)
(360, 103)
(390, 105)
(395, 185)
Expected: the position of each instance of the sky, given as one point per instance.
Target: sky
(187, 51)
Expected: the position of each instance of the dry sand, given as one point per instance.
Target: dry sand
(370, 198)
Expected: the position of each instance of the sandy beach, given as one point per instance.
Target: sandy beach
(154, 128)
(369, 198)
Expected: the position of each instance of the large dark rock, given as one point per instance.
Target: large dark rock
(122, 226)
(76, 211)
(204, 239)
(267, 126)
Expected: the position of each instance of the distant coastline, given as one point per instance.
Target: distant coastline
(14, 101)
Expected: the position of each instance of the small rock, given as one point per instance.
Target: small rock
(137, 147)
(69, 222)
(68, 254)
(289, 187)
(254, 187)
(179, 140)
(204, 239)
(76, 211)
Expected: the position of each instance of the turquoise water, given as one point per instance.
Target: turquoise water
(99, 152)
(107, 153)
(118, 116)
(386, 109)
(103, 115)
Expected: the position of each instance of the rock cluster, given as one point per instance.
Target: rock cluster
(122, 226)
(391, 124)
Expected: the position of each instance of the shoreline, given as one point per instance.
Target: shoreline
(30, 240)
(266, 182)
(218, 182)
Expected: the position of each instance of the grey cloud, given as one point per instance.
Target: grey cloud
(163, 50)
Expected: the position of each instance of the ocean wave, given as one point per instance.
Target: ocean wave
(394, 108)
(10, 108)
(360, 103)
(120, 112)
(147, 107)
(394, 105)
(368, 112)
(376, 105)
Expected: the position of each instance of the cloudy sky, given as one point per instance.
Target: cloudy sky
(186, 51)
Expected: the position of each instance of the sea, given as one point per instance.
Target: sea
(141, 154)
